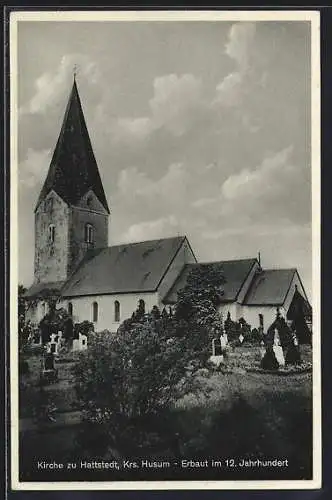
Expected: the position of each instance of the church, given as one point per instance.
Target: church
(104, 284)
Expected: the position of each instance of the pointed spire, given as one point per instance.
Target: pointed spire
(73, 170)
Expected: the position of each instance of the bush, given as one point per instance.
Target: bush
(85, 328)
(127, 381)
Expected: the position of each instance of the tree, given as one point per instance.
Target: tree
(56, 320)
(24, 327)
(21, 300)
(196, 313)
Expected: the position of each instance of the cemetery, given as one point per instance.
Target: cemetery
(243, 368)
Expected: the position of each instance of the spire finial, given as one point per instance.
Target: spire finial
(75, 71)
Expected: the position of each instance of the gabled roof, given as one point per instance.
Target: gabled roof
(270, 287)
(235, 274)
(73, 169)
(133, 267)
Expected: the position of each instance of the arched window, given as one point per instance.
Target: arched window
(261, 321)
(51, 233)
(141, 305)
(70, 308)
(95, 312)
(88, 234)
(117, 311)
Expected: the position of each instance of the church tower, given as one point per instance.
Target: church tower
(71, 214)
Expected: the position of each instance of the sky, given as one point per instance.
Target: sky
(198, 128)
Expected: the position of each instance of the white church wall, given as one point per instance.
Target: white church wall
(251, 315)
(83, 308)
(233, 308)
(184, 256)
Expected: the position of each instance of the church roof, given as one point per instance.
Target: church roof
(270, 287)
(132, 267)
(73, 169)
(44, 289)
(235, 274)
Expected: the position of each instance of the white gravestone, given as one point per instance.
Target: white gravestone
(223, 341)
(80, 344)
(53, 344)
(262, 349)
(278, 350)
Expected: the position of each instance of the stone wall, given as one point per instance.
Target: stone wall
(55, 261)
(51, 258)
(79, 217)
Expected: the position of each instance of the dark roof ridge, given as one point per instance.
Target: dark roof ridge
(221, 261)
(273, 269)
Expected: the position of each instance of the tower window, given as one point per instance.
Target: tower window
(51, 233)
(70, 308)
(95, 312)
(88, 236)
(89, 201)
(116, 311)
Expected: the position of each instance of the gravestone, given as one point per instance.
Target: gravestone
(262, 349)
(80, 344)
(277, 349)
(49, 361)
(217, 356)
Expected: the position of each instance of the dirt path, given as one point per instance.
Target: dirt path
(62, 420)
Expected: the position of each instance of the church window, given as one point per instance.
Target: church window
(141, 306)
(49, 204)
(70, 308)
(95, 312)
(51, 233)
(116, 311)
(261, 321)
(88, 233)
(89, 201)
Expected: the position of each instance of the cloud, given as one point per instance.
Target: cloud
(176, 99)
(263, 195)
(170, 186)
(275, 174)
(52, 85)
(240, 40)
(282, 228)
(138, 128)
(229, 90)
(33, 169)
(241, 37)
(152, 229)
